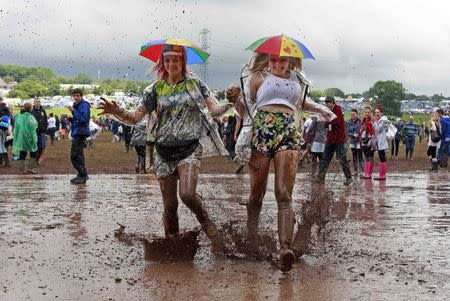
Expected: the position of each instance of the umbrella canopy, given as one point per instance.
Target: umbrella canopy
(281, 46)
(195, 55)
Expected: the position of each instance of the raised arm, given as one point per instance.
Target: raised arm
(125, 116)
(315, 108)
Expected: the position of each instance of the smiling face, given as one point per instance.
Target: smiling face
(173, 64)
(279, 66)
(353, 115)
(367, 113)
(378, 113)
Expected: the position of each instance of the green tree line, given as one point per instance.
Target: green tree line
(42, 81)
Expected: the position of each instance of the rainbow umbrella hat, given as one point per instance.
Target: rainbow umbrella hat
(195, 55)
(281, 46)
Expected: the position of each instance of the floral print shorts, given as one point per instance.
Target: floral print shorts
(273, 132)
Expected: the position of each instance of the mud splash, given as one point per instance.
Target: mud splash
(367, 241)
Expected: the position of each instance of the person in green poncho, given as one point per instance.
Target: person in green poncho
(25, 139)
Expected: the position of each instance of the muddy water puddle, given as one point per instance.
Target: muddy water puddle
(369, 241)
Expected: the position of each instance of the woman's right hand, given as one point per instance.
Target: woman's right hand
(108, 107)
(232, 93)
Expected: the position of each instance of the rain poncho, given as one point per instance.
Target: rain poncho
(25, 137)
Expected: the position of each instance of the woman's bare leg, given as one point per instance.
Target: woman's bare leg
(259, 171)
(187, 189)
(168, 186)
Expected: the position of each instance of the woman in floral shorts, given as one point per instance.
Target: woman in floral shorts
(277, 91)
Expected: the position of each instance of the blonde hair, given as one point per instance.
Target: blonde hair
(260, 62)
(434, 117)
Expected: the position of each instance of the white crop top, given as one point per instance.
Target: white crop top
(280, 91)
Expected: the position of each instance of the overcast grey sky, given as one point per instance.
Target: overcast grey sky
(355, 42)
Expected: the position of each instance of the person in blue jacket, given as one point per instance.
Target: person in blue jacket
(444, 149)
(79, 132)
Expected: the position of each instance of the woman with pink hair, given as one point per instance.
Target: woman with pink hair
(183, 130)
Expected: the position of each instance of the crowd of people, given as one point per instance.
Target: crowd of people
(179, 121)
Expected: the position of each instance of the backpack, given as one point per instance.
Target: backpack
(4, 123)
(435, 136)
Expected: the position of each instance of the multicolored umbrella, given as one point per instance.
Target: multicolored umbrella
(195, 55)
(281, 46)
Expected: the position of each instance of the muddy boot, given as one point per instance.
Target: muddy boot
(411, 154)
(196, 206)
(31, 165)
(2, 164)
(22, 166)
(170, 220)
(286, 222)
(218, 247)
(253, 211)
(302, 238)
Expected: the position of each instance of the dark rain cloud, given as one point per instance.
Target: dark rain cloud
(355, 43)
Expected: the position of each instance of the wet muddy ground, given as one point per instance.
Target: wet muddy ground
(369, 241)
(108, 158)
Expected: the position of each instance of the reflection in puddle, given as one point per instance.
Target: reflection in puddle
(368, 239)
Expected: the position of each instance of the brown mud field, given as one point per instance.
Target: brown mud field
(108, 158)
(102, 241)
(368, 241)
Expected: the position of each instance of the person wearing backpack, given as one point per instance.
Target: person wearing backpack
(434, 140)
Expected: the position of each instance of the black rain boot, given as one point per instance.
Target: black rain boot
(434, 167)
(138, 164)
(142, 165)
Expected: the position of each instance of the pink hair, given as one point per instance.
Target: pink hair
(380, 107)
(161, 72)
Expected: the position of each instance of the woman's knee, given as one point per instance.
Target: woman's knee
(284, 201)
(187, 196)
(283, 197)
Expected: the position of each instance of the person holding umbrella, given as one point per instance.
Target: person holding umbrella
(184, 108)
(277, 90)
